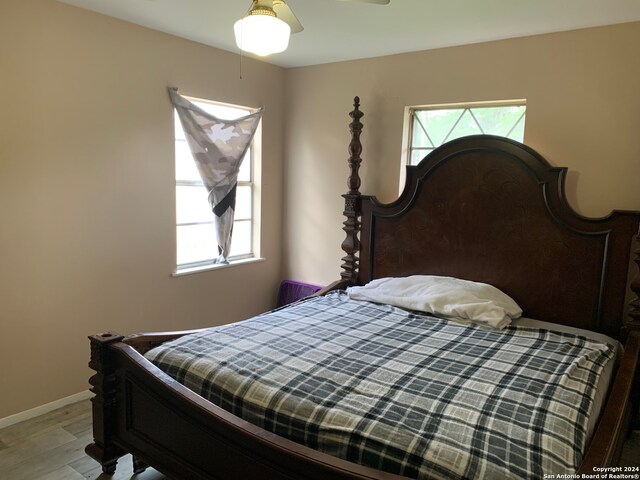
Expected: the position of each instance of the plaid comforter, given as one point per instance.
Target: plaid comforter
(400, 391)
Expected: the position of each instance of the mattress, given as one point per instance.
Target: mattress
(402, 391)
(605, 378)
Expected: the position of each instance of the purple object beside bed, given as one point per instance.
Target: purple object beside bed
(291, 291)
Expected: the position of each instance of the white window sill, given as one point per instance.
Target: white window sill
(215, 266)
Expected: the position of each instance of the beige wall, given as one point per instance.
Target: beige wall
(86, 166)
(87, 191)
(583, 112)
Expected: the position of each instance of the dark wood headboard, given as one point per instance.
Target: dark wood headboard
(492, 210)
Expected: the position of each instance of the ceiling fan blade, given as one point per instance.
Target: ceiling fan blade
(377, 2)
(285, 14)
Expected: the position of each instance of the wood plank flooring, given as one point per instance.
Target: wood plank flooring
(51, 447)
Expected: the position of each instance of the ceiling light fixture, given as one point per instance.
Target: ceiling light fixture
(261, 31)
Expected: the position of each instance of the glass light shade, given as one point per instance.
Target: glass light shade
(262, 34)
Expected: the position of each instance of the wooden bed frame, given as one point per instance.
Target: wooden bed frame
(481, 208)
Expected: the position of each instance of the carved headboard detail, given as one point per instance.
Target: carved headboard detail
(489, 209)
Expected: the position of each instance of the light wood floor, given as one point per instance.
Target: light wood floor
(51, 447)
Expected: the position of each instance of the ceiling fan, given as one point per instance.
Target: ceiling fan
(268, 23)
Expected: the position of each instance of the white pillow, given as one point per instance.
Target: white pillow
(451, 298)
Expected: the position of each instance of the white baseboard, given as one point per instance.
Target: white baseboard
(42, 409)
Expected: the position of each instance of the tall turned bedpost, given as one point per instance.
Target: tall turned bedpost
(351, 243)
(634, 311)
(632, 326)
(103, 385)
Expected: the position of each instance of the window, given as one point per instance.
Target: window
(432, 126)
(195, 235)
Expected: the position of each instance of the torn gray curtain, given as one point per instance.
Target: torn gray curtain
(218, 147)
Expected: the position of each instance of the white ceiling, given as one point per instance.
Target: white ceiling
(336, 31)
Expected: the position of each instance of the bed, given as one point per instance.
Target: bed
(483, 209)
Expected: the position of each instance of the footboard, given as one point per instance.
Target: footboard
(140, 410)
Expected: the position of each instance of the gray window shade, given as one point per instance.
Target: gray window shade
(218, 147)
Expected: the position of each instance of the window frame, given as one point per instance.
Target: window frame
(253, 156)
(408, 147)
